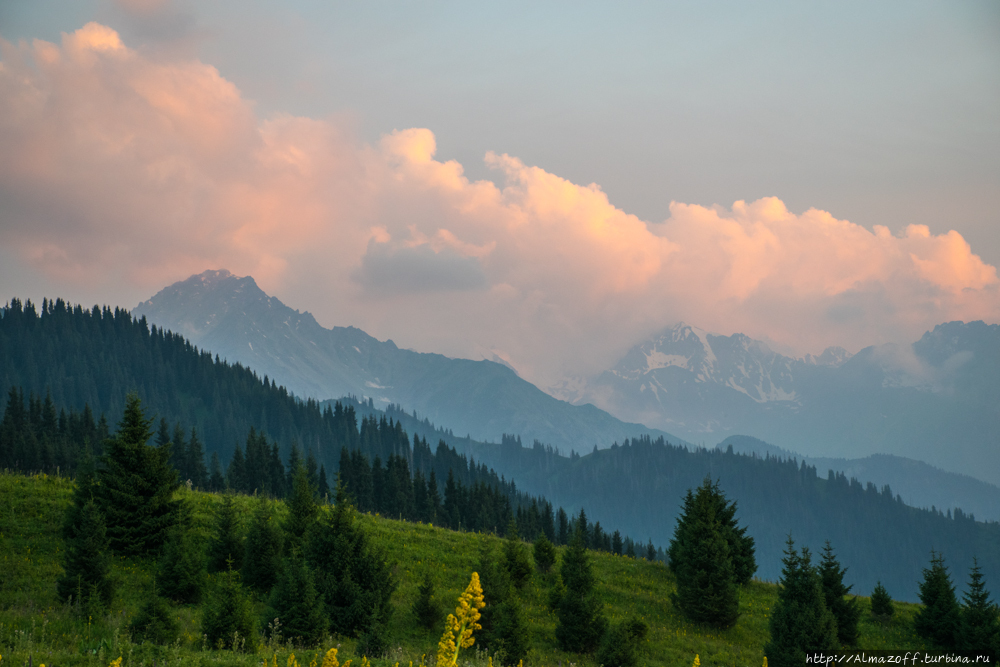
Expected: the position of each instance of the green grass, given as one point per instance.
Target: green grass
(33, 622)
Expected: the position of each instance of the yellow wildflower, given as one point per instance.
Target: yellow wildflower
(460, 625)
(364, 658)
(116, 663)
(330, 659)
(765, 661)
(292, 662)
(697, 662)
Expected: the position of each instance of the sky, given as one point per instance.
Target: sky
(550, 183)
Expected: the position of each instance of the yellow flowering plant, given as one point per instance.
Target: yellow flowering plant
(330, 659)
(460, 625)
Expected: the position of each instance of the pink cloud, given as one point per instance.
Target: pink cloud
(116, 164)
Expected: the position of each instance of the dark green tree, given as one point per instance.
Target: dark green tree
(700, 559)
(301, 505)
(225, 549)
(504, 632)
(353, 575)
(216, 480)
(194, 456)
(136, 486)
(295, 603)
(516, 560)
(581, 624)
(153, 622)
(262, 550)
(86, 574)
(938, 620)
(882, 606)
(800, 621)
(846, 612)
(181, 566)
(544, 553)
(228, 620)
(979, 630)
(425, 609)
(621, 644)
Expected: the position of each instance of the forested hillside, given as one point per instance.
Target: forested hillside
(94, 357)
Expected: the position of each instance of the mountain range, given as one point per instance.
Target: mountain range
(233, 318)
(937, 400)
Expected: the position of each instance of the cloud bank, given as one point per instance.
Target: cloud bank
(120, 165)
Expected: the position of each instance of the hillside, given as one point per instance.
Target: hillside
(232, 317)
(33, 622)
(97, 356)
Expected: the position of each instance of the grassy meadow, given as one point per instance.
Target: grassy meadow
(35, 624)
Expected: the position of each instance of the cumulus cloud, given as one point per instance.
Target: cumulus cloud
(116, 164)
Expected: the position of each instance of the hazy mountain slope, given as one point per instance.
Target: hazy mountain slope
(937, 400)
(234, 318)
(918, 483)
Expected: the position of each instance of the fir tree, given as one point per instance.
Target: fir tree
(424, 609)
(580, 624)
(516, 560)
(225, 549)
(194, 456)
(86, 566)
(882, 606)
(938, 620)
(847, 613)
(800, 621)
(563, 520)
(620, 646)
(301, 505)
(701, 561)
(136, 486)
(979, 630)
(262, 552)
(544, 553)
(228, 620)
(216, 480)
(296, 605)
(503, 628)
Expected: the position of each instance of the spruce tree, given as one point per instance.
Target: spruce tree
(262, 551)
(216, 480)
(800, 621)
(227, 620)
(701, 561)
(136, 486)
(580, 624)
(544, 553)
(938, 620)
(979, 630)
(154, 622)
(621, 644)
(353, 575)
(296, 604)
(846, 612)
(86, 574)
(504, 632)
(882, 606)
(301, 505)
(181, 566)
(194, 456)
(225, 549)
(424, 609)
(516, 560)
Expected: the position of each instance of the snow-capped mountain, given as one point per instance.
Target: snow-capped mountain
(937, 400)
(232, 317)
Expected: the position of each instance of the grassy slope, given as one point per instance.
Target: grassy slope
(33, 621)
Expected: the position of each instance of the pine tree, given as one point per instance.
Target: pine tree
(228, 620)
(544, 553)
(86, 566)
(181, 566)
(353, 575)
(194, 456)
(136, 486)
(226, 548)
(516, 560)
(301, 506)
(701, 561)
(425, 610)
(846, 612)
(262, 552)
(881, 602)
(296, 604)
(979, 630)
(800, 621)
(938, 620)
(580, 624)
(216, 481)
(504, 632)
